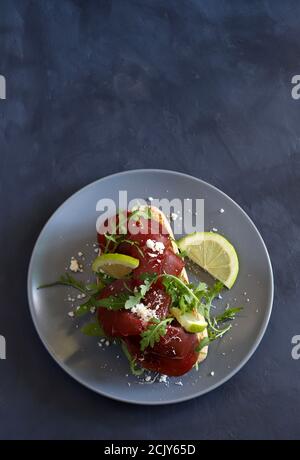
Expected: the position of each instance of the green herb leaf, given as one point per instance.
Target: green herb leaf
(135, 369)
(139, 294)
(82, 310)
(228, 315)
(93, 330)
(112, 238)
(104, 278)
(86, 307)
(113, 302)
(66, 280)
(182, 295)
(144, 212)
(203, 343)
(156, 330)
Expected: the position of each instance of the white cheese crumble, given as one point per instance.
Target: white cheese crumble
(214, 229)
(74, 265)
(150, 198)
(80, 254)
(212, 373)
(174, 216)
(71, 314)
(150, 244)
(143, 312)
(222, 210)
(163, 378)
(155, 246)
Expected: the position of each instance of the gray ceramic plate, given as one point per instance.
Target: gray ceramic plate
(104, 369)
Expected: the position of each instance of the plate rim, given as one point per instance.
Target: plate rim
(244, 361)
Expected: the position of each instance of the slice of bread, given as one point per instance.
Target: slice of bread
(160, 217)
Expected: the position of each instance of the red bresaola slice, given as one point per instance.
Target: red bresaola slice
(158, 300)
(172, 263)
(124, 323)
(110, 226)
(137, 231)
(173, 355)
(118, 323)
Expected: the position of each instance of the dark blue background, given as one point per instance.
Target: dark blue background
(95, 87)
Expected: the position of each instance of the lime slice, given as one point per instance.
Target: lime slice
(115, 265)
(213, 253)
(189, 321)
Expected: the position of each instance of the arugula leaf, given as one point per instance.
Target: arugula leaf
(104, 278)
(156, 330)
(182, 295)
(135, 369)
(86, 307)
(213, 292)
(139, 294)
(110, 237)
(228, 315)
(149, 276)
(132, 301)
(203, 343)
(93, 330)
(144, 212)
(113, 302)
(94, 288)
(66, 280)
(82, 310)
(200, 289)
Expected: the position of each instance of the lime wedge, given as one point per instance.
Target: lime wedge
(189, 321)
(213, 253)
(116, 265)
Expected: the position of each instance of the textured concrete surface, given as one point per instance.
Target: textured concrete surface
(95, 87)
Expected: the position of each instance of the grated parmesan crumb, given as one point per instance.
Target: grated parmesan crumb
(143, 312)
(74, 265)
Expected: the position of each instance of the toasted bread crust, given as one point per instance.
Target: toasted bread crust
(159, 216)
